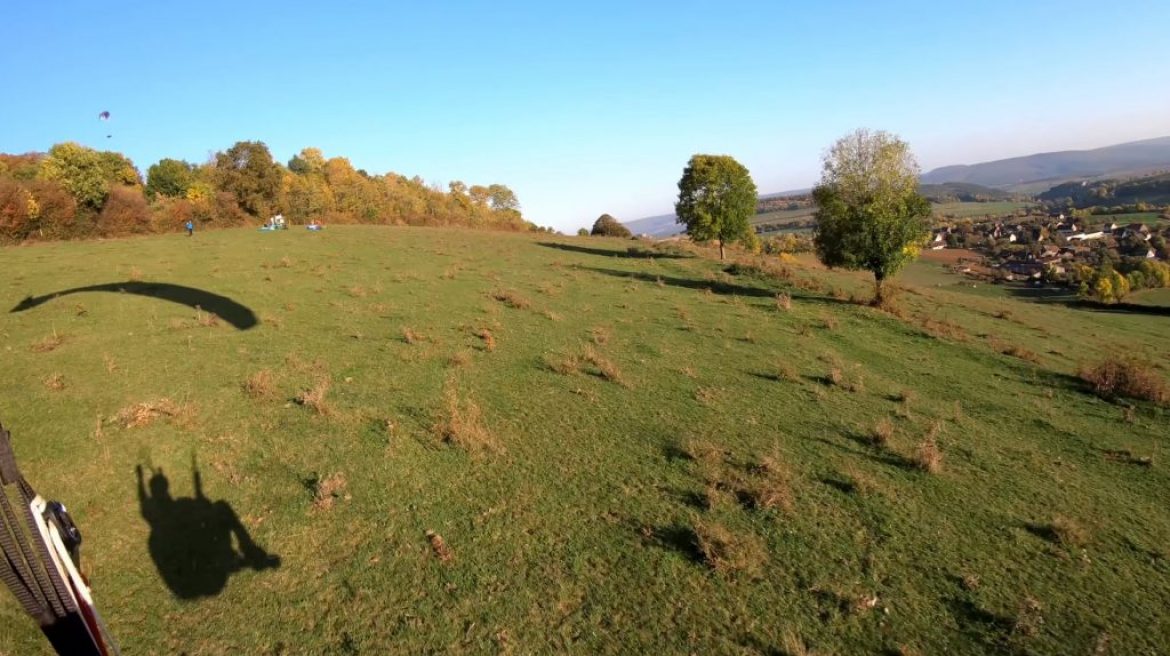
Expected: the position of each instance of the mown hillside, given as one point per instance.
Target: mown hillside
(469, 442)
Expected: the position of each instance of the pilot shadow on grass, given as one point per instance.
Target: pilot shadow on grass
(196, 543)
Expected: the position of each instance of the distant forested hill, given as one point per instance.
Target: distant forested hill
(1115, 160)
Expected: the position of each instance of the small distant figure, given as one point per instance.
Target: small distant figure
(190, 228)
(314, 225)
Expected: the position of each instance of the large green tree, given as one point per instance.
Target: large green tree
(248, 171)
(870, 215)
(86, 173)
(716, 200)
(169, 177)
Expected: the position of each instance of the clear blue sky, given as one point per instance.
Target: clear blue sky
(588, 108)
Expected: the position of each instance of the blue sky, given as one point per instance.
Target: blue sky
(582, 108)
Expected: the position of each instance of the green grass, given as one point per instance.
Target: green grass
(1149, 218)
(647, 414)
(964, 209)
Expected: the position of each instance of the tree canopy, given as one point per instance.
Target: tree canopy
(607, 226)
(870, 215)
(716, 200)
(169, 177)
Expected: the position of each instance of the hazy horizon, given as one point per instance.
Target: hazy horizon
(582, 110)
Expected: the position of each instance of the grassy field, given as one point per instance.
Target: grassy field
(1149, 218)
(962, 210)
(489, 443)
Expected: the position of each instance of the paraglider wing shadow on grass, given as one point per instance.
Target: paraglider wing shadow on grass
(196, 543)
(227, 309)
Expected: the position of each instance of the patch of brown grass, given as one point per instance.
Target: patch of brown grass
(783, 302)
(459, 359)
(357, 291)
(260, 385)
(327, 491)
(786, 372)
(829, 323)
(135, 274)
(111, 363)
(147, 412)
(928, 457)
(1029, 620)
(1017, 351)
(440, 547)
(48, 343)
(606, 369)
(1126, 377)
(707, 395)
(206, 319)
(461, 424)
(599, 335)
(566, 365)
(489, 340)
(941, 329)
(314, 397)
(728, 552)
(882, 432)
(411, 336)
(771, 486)
(1068, 532)
(55, 382)
(511, 298)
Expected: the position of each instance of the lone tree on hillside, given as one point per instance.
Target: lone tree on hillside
(869, 213)
(716, 200)
(607, 226)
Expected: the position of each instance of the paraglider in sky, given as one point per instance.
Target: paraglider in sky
(105, 116)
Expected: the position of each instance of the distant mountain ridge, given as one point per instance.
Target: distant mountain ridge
(1135, 156)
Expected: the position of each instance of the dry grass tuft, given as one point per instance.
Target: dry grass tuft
(48, 343)
(357, 291)
(410, 336)
(793, 645)
(110, 362)
(459, 359)
(260, 385)
(786, 372)
(727, 552)
(707, 395)
(882, 432)
(1029, 619)
(783, 302)
(945, 330)
(461, 424)
(605, 369)
(146, 412)
(551, 316)
(599, 335)
(489, 340)
(565, 365)
(928, 457)
(1017, 351)
(835, 376)
(1120, 377)
(206, 319)
(771, 487)
(511, 298)
(314, 397)
(1068, 532)
(328, 490)
(829, 323)
(440, 547)
(55, 382)
(135, 274)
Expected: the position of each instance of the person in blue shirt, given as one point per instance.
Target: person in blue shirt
(190, 227)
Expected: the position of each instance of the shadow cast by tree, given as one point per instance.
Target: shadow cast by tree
(239, 316)
(191, 539)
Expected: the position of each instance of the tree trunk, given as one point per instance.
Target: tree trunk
(878, 293)
(720, 250)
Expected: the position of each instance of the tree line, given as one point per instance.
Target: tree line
(75, 192)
